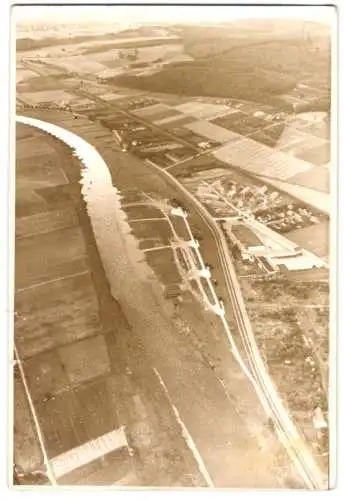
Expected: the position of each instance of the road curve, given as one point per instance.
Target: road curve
(270, 400)
(88, 155)
(263, 385)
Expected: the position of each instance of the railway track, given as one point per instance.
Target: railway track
(271, 402)
(256, 372)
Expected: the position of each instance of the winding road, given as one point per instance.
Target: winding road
(256, 372)
(271, 402)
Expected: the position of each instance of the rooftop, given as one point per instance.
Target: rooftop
(245, 235)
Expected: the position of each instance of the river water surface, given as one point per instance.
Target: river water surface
(220, 433)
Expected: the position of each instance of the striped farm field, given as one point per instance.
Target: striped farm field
(291, 135)
(81, 64)
(151, 110)
(313, 123)
(176, 121)
(212, 131)
(259, 159)
(47, 96)
(317, 199)
(320, 155)
(45, 221)
(299, 150)
(110, 96)
(158, 113)
(163, 115)
(202, 110)
(302, 144)
(318, 178)
(313, 238)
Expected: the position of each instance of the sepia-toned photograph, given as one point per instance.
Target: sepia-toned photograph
(174, 170)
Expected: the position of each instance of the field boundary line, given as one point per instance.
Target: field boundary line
(187, 436)
(19, 290)
(45, 232)
(35, 419)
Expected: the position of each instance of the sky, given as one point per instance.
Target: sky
(173, 14)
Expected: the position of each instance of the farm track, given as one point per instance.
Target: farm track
(285, 428)
(286, 431)
(220, 461)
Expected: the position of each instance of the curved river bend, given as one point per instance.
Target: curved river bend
(109, 221)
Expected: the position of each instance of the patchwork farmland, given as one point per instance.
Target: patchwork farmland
(263, 146)
(145, 282)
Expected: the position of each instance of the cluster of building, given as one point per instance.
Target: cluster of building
(145, 142)
(264, 112)
(304, 98)
(148, 144)
(254, 242)
(140, 102)
(285, 218)
(228, 197)
(252, 218)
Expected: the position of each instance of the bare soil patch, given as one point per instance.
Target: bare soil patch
(163, 264)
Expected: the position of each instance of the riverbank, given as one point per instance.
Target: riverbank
(82, 362)
(225, 420)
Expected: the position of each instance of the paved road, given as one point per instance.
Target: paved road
(284, 426)
(218, 431)
(63, 326)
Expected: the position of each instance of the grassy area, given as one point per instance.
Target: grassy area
(93, 406)
(48, 256)
(163, 264)
(314, 238)
(24, 44)
(315, 321)
(77, 346)
(294, 369)
(201, 164)
(40, 222)
(158, 229)
(291, 327)
(27, 453)
(142, 212)
(53, 319)
(245, 235)
(282, 291)
(132, 43)
(85, 360)
(56, 314)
